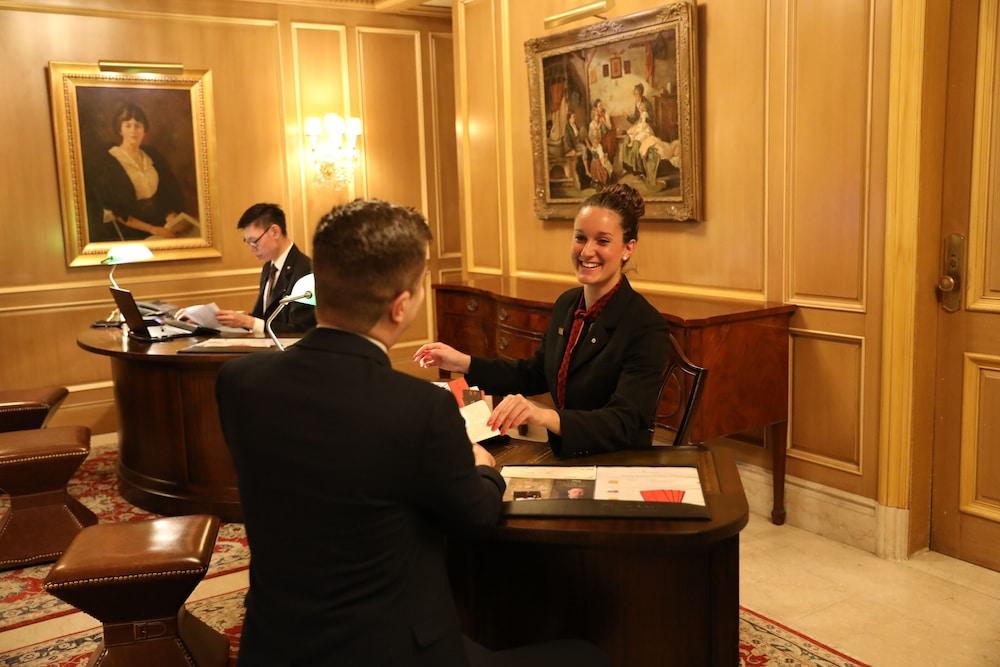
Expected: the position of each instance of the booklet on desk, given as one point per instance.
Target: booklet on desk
(234, 345)
(666, 492)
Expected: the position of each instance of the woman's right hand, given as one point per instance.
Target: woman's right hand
(442, 356)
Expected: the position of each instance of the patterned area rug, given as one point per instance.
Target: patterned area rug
(762, 641)
(22, 599)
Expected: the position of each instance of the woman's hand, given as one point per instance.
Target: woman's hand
(515, 410)
(443, 356)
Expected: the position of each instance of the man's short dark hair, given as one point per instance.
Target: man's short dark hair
(263, 214)
(365, 254)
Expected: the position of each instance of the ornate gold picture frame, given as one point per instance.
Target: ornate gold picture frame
(135, 153)
(618, 102)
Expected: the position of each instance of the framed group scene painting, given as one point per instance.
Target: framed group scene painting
(617, 102)
(135, 157)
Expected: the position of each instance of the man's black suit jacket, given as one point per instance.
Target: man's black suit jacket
(614, 377)
(349, 473)
(296, 317)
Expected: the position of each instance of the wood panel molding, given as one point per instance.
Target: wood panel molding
(906, 80)
(977, 368)
(101, 12)
(302, 149)
(791, 292)
(854, 467)
(437, 38)
(468, 186)
(422, 133)
(984, 216)
(680, 289)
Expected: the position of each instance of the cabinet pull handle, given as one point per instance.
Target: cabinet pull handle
(502, 315)
(503, 342)
(472, 305)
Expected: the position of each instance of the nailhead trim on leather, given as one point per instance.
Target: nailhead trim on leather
(123, 577)
(40, 457)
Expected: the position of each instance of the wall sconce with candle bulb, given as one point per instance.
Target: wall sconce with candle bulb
(333, 147)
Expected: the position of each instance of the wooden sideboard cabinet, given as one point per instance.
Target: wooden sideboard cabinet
(744, 346)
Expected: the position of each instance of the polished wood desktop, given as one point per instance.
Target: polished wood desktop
(647, 591)
(173, 457)
(744, 346)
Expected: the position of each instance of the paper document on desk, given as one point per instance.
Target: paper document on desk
(475, 416)
(203, 315)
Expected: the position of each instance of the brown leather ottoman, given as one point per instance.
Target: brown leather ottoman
(43, 518)
(134, 577)
(22, 409)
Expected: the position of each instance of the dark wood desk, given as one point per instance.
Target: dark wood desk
(744, 346)
(173, 457)
(647, 591)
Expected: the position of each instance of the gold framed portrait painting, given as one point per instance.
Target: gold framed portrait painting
(135, 153)
(617, 102)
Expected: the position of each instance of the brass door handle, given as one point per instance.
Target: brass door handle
(946, 284)
(949, 284)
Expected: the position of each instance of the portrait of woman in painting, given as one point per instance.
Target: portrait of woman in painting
(132, 194)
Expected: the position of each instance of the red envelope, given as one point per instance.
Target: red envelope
(457, 386)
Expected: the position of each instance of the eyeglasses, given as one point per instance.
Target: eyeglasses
(253, 243)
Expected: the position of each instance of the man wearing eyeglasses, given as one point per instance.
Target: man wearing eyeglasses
(263, 227)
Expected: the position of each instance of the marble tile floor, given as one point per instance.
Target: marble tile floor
(930, 610)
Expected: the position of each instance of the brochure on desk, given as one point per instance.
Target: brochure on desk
(664, 492)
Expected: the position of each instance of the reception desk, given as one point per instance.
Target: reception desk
(173, 457)
(647, 591)
(744, 346)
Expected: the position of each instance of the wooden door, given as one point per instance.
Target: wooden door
(965, 505)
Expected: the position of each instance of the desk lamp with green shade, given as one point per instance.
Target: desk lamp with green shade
(125, 253)
(303, 291)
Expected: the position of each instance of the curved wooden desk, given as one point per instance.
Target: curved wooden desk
(173, 457)
(647, 591)
(744, 346)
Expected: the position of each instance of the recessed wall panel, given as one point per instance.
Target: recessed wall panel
(827, 372)
(391, 98)
(828, 95)
(482, 148)
(448, 231)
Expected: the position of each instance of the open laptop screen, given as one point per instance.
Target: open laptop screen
(150, 330)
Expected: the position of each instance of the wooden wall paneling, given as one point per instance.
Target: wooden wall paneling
(390, 67)
(322, 85)
(827, 399)
(830, 60)
(480, 134)
(983, 270)
(735, 152)
(979, 485)
(447, 232)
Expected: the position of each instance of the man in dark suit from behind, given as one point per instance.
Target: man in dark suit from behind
(351, 473)
(265, 233)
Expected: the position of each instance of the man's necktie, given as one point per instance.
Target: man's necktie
(271, 279)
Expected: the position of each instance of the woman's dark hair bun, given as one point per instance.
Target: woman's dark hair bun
(630, 198)
(626, 202)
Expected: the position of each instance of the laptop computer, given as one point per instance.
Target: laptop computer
(159, 329)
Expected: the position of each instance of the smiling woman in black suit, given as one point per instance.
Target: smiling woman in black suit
(603, 355)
